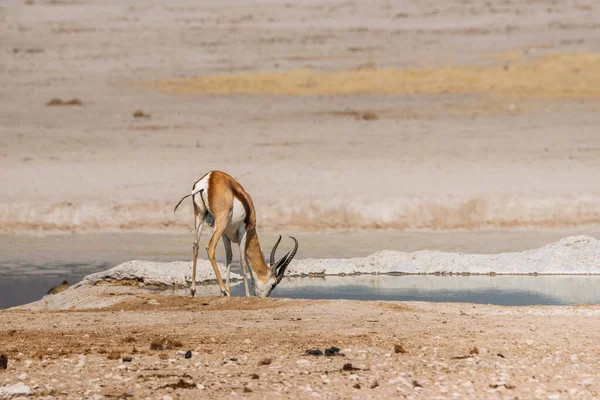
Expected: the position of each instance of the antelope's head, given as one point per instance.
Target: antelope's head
(277, 269)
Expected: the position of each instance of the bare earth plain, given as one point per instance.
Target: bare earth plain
(335, 116)
(256, 348)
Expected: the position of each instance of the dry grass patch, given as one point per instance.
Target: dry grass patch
(559, 76)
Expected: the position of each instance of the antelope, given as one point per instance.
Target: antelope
(222, 202)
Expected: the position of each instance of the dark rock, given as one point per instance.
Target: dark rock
(332, 351)
(500, 355)
(188, 354)
(127, 358)
(314, 352)
(356, 386)
(59, 288)
(349, 367)
(399, 349)
(254, 376)
(374, 384)
(3, 361)
(265, 361)
(247, 390)
(416, 384)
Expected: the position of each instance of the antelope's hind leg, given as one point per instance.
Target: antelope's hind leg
(229, 257)
(199, 226)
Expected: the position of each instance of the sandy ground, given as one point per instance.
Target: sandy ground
(467, 114)
(451, 350)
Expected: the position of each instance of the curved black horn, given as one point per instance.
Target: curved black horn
(272, 260)
(288, 259)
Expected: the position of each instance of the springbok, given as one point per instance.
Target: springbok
(223, 203)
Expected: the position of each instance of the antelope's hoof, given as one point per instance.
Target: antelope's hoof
(193, 293)
(226, 293)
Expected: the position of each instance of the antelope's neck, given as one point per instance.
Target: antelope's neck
(255, 257)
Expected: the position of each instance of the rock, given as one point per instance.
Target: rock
(356, 386)
(22, 377)
(349, 367)
(18, 390)
(374, 384)
(399, 349)
(332, 351)
(188, 354)
(254, 376)
(314, 352)
(247, 389)
(265, 361)
(163, 356)
(127, 358)
(3, 361)
(59, 288)
(114, 355)
(474, 350)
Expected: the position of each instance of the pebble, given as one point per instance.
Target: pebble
(166, 398)
(3, 361)
(302, 362)
(188, 354)
(22, 377)
(14, 391)
(127, 358)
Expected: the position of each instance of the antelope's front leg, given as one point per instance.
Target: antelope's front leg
(210, 250)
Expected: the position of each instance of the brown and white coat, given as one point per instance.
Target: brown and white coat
(222, 202)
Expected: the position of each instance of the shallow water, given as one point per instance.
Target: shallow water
(503, 290)
(30, 265)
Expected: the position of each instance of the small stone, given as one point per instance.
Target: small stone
(353, 377)
(200, 386)
(349, 367)
(3, 361)
(356, 386)
(247, 341)
(399, 349)
(474, 350)
(500, 355)
(188, 354)
(254, 376)
(265, 361)
(374, 384)
(127, 358)
(332, 351)
(247, 389)
(22, 377)
(314, 352)
(163, 356)
(15, 391)
(166, 398)
(114, 355)
(416, 384)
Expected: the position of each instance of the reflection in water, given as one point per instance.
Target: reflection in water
(20, 284)
(501, 290)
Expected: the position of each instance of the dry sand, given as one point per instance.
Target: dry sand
(472, 151)
(423, 116)
(451, 350)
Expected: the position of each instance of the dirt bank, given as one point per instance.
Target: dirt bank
(255, 348)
